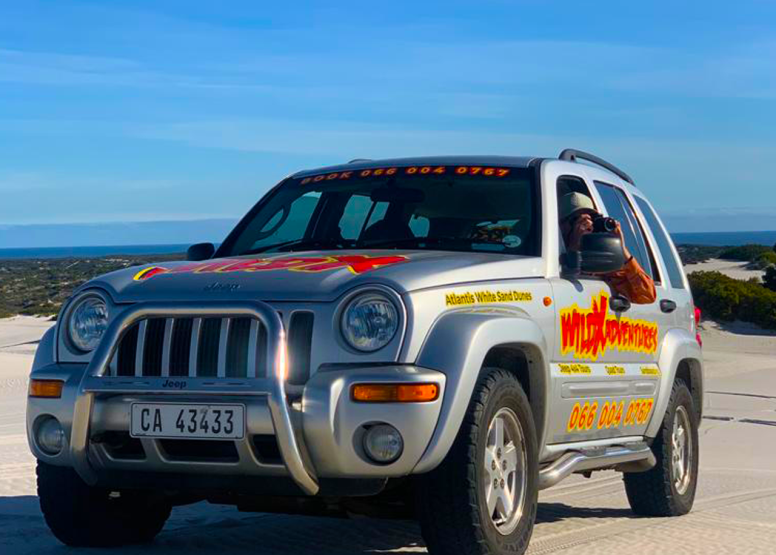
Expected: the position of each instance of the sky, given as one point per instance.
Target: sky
(180, 110)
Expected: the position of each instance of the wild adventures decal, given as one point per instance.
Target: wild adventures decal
(355, 263)
(588, 333)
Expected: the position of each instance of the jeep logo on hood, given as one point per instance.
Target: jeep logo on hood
(356, 263)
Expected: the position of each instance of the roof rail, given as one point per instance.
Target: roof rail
(571, 155)
(354, 160)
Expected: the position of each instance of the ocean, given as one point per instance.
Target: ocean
(716, 239)
(726, 238)
(91, 252)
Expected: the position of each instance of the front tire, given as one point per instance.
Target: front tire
(83, 516)
(669, 488)
(482, 499)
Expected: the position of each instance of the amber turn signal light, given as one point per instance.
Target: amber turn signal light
(49, 389)
(395, 393)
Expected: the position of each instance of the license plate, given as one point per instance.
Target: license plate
(179, 420)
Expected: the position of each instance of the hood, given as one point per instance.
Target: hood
(309, 276)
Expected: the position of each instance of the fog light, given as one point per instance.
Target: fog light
(383, 443)
(51, 436)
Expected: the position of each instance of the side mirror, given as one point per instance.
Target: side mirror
(200, 251)
(600, 253)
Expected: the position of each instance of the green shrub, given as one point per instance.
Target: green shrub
(693, 254)
(765, 260)
(725, 298)
(746, 253)
(769, 279)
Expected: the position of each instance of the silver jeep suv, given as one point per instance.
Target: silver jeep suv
(404, 338)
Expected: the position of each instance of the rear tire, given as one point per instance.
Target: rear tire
(83, 516)
(482, 499)
(668, 489)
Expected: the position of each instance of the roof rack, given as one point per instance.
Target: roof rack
(571, 155)
(354, 160)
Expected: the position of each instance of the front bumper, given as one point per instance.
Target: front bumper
(308, 439)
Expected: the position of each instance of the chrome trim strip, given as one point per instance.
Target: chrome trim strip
(114, 366)
(253, 341)
(196, 327)
(167, 346)
(223, 342)
(576, 390)
(140, 350)
(94, 381)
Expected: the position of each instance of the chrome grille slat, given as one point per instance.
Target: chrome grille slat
(166, 346)
(141, 336)
(196, 329)
(253, 340)
(218, 347)
(223, 341)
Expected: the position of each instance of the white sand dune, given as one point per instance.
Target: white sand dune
(21, 334)
(731, 268)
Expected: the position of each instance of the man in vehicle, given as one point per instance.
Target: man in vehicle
(577, 212)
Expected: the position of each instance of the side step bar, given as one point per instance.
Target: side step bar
(633, 457)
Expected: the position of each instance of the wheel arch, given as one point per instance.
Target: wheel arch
(461, 344)
(526, 362)
(680, 357)
(690, 370)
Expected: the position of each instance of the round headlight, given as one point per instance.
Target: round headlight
(88, 322)
(369, 322)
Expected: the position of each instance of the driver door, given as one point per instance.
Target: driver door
(604, 366)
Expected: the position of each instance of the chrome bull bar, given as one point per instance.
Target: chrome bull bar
(272, 387)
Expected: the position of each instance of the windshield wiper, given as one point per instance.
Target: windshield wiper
(305, 244)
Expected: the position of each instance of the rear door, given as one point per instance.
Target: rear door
(674, 280)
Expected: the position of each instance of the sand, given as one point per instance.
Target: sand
(731, 268)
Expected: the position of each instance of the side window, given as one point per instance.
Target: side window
(619, 208)
(663, 243)
(360, 212)
(287, 224)
(419, 225)
(354, 216)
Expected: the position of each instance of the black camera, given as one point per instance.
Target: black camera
(603, 224)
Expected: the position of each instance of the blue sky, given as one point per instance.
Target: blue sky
(159, 110)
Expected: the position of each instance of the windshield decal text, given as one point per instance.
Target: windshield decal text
(590, 332)
(487, 171)
(355, 263)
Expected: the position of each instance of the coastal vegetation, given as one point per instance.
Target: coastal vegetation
(724, 298)
(745, 253)
(695, 254)
(40, 286)
(759, 256)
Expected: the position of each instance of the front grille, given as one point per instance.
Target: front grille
(198, 450)
(209, 348)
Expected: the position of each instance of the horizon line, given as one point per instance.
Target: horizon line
(187, 244)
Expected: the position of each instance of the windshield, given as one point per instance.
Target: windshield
(460, 208)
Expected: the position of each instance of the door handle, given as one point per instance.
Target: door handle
(618, 303)
(667, 305)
